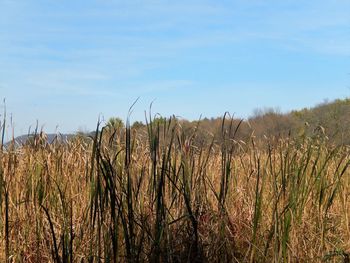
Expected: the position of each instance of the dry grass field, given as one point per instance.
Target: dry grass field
(156, 196)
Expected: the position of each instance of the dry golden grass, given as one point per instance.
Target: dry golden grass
(125, 198)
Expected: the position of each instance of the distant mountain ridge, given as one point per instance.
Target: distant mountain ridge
(22, 139)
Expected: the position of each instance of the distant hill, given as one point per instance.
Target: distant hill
(331, 118)
(20, 140)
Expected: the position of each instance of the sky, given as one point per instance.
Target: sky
(67, 63)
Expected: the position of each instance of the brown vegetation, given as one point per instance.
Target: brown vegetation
(174, 192)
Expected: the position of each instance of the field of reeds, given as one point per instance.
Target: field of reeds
(160, 195)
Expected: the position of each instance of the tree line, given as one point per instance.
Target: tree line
(329, 119)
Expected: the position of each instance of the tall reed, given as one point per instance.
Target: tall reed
(160, 194)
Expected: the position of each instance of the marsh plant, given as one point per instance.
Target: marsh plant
(159, 195)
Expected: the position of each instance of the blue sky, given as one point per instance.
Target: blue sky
(66, 62)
